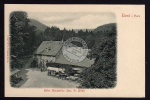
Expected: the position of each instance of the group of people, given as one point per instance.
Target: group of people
(40, 66)
(59, 74)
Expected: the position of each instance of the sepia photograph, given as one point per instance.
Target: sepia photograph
(63, 50)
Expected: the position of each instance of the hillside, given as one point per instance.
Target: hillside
(106, 27)
(38, 24)
(42, 27)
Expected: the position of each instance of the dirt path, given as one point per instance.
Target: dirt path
(37, 79)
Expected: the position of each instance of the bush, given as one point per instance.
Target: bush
(102, 74)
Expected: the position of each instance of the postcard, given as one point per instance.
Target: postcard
(74, 50)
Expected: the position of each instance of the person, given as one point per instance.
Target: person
(40, 65)
(37, 66)
(31, 65)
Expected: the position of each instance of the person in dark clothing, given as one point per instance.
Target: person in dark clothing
(34, 63)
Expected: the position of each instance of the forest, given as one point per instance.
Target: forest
(25, 38)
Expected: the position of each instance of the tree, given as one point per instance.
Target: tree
(102, 74)
(22, 36)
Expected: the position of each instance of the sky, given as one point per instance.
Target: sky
(74, 20)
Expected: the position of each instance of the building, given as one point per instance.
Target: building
(47, 52)
(51, 52)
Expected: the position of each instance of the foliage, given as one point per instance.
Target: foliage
(15, 79)
(102, 74)
(22, 37)
(33, 64)
(26, 38)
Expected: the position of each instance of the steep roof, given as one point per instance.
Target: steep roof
(84, 63)
(52, 48)
(49, 48)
